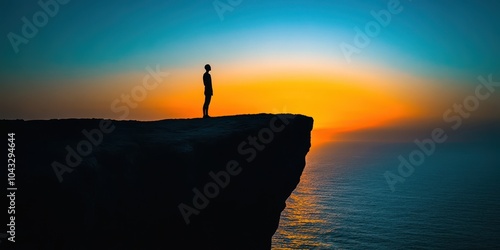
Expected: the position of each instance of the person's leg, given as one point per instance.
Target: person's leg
(205, 105)
(208, 98)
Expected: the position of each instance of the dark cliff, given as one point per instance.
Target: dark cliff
(218, 183)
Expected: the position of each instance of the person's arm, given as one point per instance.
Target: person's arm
(211, 87)
(210, 84)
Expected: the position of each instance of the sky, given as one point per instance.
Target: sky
(353, 66)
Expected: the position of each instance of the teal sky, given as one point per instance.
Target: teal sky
(100, 37)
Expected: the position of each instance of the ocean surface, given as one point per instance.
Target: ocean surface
(450, 201)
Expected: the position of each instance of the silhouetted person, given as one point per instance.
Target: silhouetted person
(207, 81)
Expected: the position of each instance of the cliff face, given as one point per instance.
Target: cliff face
(218, 183)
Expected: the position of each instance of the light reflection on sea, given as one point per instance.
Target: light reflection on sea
(343, 200)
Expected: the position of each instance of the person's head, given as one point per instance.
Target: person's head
(207, 67)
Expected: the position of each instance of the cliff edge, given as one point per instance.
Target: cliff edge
(218, 183)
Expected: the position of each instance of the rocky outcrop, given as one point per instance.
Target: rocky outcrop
(218, 183)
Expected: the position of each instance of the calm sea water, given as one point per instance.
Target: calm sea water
(451, 201)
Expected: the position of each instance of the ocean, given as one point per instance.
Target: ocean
(450, 201)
